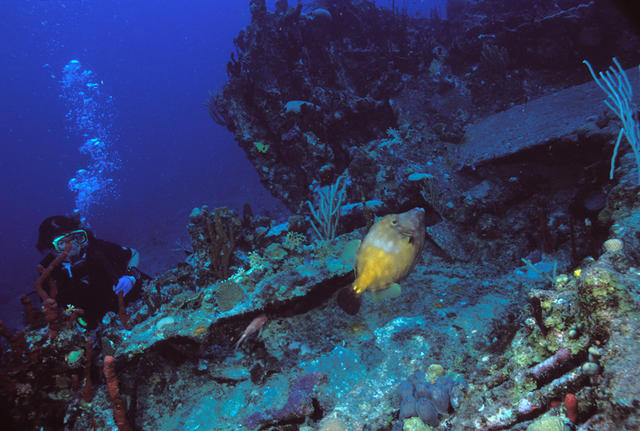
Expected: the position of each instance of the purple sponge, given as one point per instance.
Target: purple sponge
(298, 406)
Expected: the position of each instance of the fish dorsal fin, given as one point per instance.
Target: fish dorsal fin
(350, 251)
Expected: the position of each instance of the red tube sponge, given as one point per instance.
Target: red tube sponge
(119, 411)
(571, 404)
(31, 315)
(51, 314)
(44, 274)
(122, 312)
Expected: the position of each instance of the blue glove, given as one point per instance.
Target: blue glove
(125, 284)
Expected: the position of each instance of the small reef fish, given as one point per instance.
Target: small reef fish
(387, 255)
(255, 325)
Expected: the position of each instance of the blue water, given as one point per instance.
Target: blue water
(154, 64)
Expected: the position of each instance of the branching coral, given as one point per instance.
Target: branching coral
(325, 219)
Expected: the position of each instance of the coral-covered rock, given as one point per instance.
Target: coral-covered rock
(298, 406)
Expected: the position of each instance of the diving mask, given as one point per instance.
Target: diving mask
(77, 238)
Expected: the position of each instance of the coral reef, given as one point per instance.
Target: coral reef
(39, 376)
(449, 116)
(564, 360)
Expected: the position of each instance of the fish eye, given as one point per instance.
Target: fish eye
(394, 222)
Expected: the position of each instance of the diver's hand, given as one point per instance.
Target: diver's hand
(124, 285)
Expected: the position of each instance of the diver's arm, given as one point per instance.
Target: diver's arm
(134, 260)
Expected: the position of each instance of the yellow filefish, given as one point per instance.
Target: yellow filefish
(387, 255)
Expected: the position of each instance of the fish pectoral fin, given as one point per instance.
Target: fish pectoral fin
(395, 289)
(349, 301)
(391, 292)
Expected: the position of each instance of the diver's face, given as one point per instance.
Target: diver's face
(76, 241)
(75, 251)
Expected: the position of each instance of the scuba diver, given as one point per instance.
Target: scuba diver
(92, 273)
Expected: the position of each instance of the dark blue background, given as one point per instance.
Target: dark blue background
(159, 60)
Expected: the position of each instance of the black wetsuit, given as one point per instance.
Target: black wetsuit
(88, 281)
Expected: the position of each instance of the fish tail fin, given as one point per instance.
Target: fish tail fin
(349, 300)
